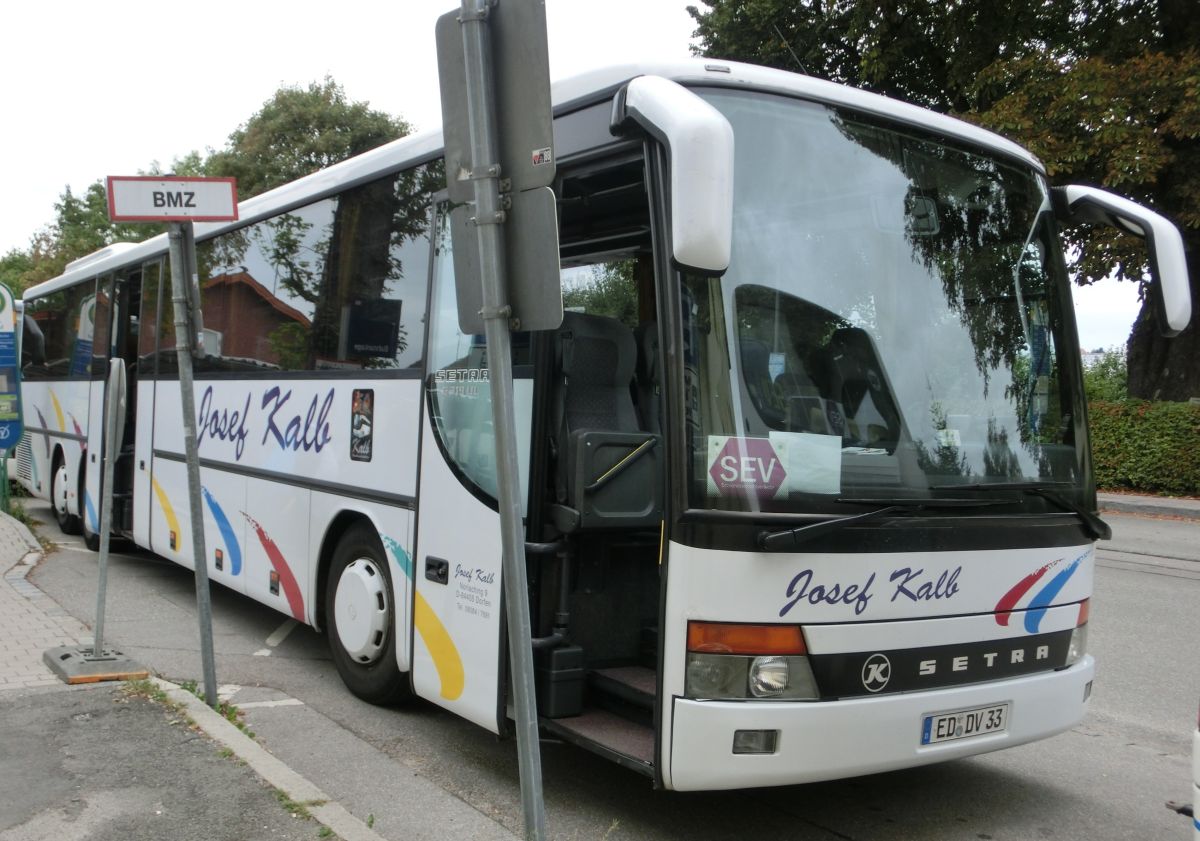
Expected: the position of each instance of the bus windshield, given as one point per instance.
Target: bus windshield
(891, 324)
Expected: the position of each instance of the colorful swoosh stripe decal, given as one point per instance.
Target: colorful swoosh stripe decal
(1042, 599)
(168, 510)
(1009, 600)
(446, 658)
(287, 580)
(91, 512)
(62, 424)
(227, 533)
(45, 435)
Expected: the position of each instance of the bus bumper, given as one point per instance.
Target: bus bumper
(834, 739)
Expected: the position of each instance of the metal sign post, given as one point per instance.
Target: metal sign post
(114, 416)
(497, 124)
(182, 252)
(178, 201)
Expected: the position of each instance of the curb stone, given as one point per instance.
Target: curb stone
(320, 805)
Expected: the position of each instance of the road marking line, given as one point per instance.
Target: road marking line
(263, 652)
(281, 633)
(283, 702)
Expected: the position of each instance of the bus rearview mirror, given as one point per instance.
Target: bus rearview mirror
(1164, 246)
(699, 145)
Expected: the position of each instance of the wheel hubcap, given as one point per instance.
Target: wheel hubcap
(360, 608)
(60, 490)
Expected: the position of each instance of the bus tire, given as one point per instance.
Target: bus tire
(69, 523)
(360, 618)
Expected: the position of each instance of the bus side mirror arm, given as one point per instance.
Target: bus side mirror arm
(699, 144)
(1074, 204)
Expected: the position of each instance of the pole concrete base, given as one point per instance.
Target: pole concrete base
(79, 664)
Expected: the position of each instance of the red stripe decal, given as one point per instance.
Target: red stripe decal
(286, 580)
(1009, 600)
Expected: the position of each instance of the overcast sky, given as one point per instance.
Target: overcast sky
(96, 89)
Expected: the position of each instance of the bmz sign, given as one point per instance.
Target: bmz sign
(167, 198)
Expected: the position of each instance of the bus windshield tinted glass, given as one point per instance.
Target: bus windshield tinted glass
(891, 321)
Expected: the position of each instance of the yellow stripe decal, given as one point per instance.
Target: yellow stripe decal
(168, 510)
(442, 649)
(445, 655)
(62, 424)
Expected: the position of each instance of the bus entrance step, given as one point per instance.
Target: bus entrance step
(633, 684)
(617, 738)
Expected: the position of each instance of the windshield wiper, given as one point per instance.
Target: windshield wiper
(788, 538)
(1097, 528)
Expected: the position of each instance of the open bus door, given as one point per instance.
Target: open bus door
(589, 403)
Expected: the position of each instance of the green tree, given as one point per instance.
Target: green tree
(608, 290)
(297, 132)
(1106, 377)
(1103, 91)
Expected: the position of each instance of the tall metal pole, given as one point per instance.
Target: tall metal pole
(114, 415)
(182, 243)
(489, 215)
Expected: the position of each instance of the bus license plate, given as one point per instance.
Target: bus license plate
(964, 724)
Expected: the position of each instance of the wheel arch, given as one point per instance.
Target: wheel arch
(338, 526)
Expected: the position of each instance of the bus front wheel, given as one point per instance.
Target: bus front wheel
(69, 523)
(360, 618)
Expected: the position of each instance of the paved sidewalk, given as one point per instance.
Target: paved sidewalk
(92, 763)
(30, 621)
(1158, 506)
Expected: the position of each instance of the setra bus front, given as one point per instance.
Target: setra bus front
(878, 539)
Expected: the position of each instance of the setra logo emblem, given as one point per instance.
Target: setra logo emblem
(876, 672)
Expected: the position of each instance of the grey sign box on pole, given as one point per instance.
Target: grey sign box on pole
(530, 258)
(521, 86)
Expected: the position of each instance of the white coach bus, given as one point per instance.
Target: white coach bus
(806, 475)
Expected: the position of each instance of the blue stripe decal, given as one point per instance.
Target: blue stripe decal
(227, 532)
(402, 558)
(91, 512)
(1041, 601)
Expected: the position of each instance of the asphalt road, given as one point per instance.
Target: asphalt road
(100, 764)
(1106, 779)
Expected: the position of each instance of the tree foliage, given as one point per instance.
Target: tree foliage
(296, 132)
(1105, 92)
(1106, 377)
(299, 131)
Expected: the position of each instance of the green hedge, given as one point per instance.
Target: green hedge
(1146, 447)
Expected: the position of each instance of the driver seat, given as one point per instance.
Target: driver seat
(608, 473)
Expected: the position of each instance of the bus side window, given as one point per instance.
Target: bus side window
(33, 343)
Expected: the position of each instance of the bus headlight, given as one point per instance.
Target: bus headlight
(768, 676)
(729, 677)
(715, 676)
(1078, 645)
(728, 661)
